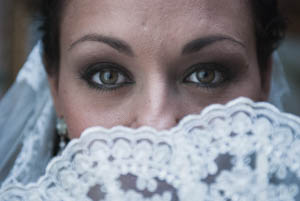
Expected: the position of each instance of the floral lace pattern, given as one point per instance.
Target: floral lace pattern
(33, 72)
(31, 145)
(243, 151)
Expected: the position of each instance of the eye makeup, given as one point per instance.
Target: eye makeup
(208, 75)
(106, 76)
(211, 69)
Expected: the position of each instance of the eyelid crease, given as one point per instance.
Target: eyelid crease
(207, 66)
(87, 74)
(226, 72)
(97, 67)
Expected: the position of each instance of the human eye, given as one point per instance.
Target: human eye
(106, 76)
(207, 75)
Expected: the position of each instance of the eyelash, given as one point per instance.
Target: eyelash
(89, 72)
(225, 72)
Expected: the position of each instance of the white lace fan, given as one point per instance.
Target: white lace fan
(243, 151)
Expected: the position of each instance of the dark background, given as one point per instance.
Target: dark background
(18, 35)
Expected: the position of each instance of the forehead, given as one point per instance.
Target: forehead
(157, 18)
(165, 8)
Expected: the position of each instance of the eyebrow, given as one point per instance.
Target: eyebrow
(115, 43)
(199, 43)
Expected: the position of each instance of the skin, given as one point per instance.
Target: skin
(156, 32)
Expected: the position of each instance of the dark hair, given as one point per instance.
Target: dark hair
(270, 29)
(49, 13)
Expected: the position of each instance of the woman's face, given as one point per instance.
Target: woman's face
(141, 62)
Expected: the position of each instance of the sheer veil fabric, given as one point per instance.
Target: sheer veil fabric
(27, 121)
(27, 124)
(279, 84)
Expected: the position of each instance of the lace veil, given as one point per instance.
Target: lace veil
(27, 122)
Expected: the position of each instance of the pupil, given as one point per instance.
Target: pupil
(109, 77)
(206, 76)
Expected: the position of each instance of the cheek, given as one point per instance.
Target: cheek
(83, 108)
(82, 115)
(246, 85)
(249, 86)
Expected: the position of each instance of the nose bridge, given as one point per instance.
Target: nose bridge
(157, 105)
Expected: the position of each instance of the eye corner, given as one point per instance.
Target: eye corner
(221, 74)
(92, 76)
